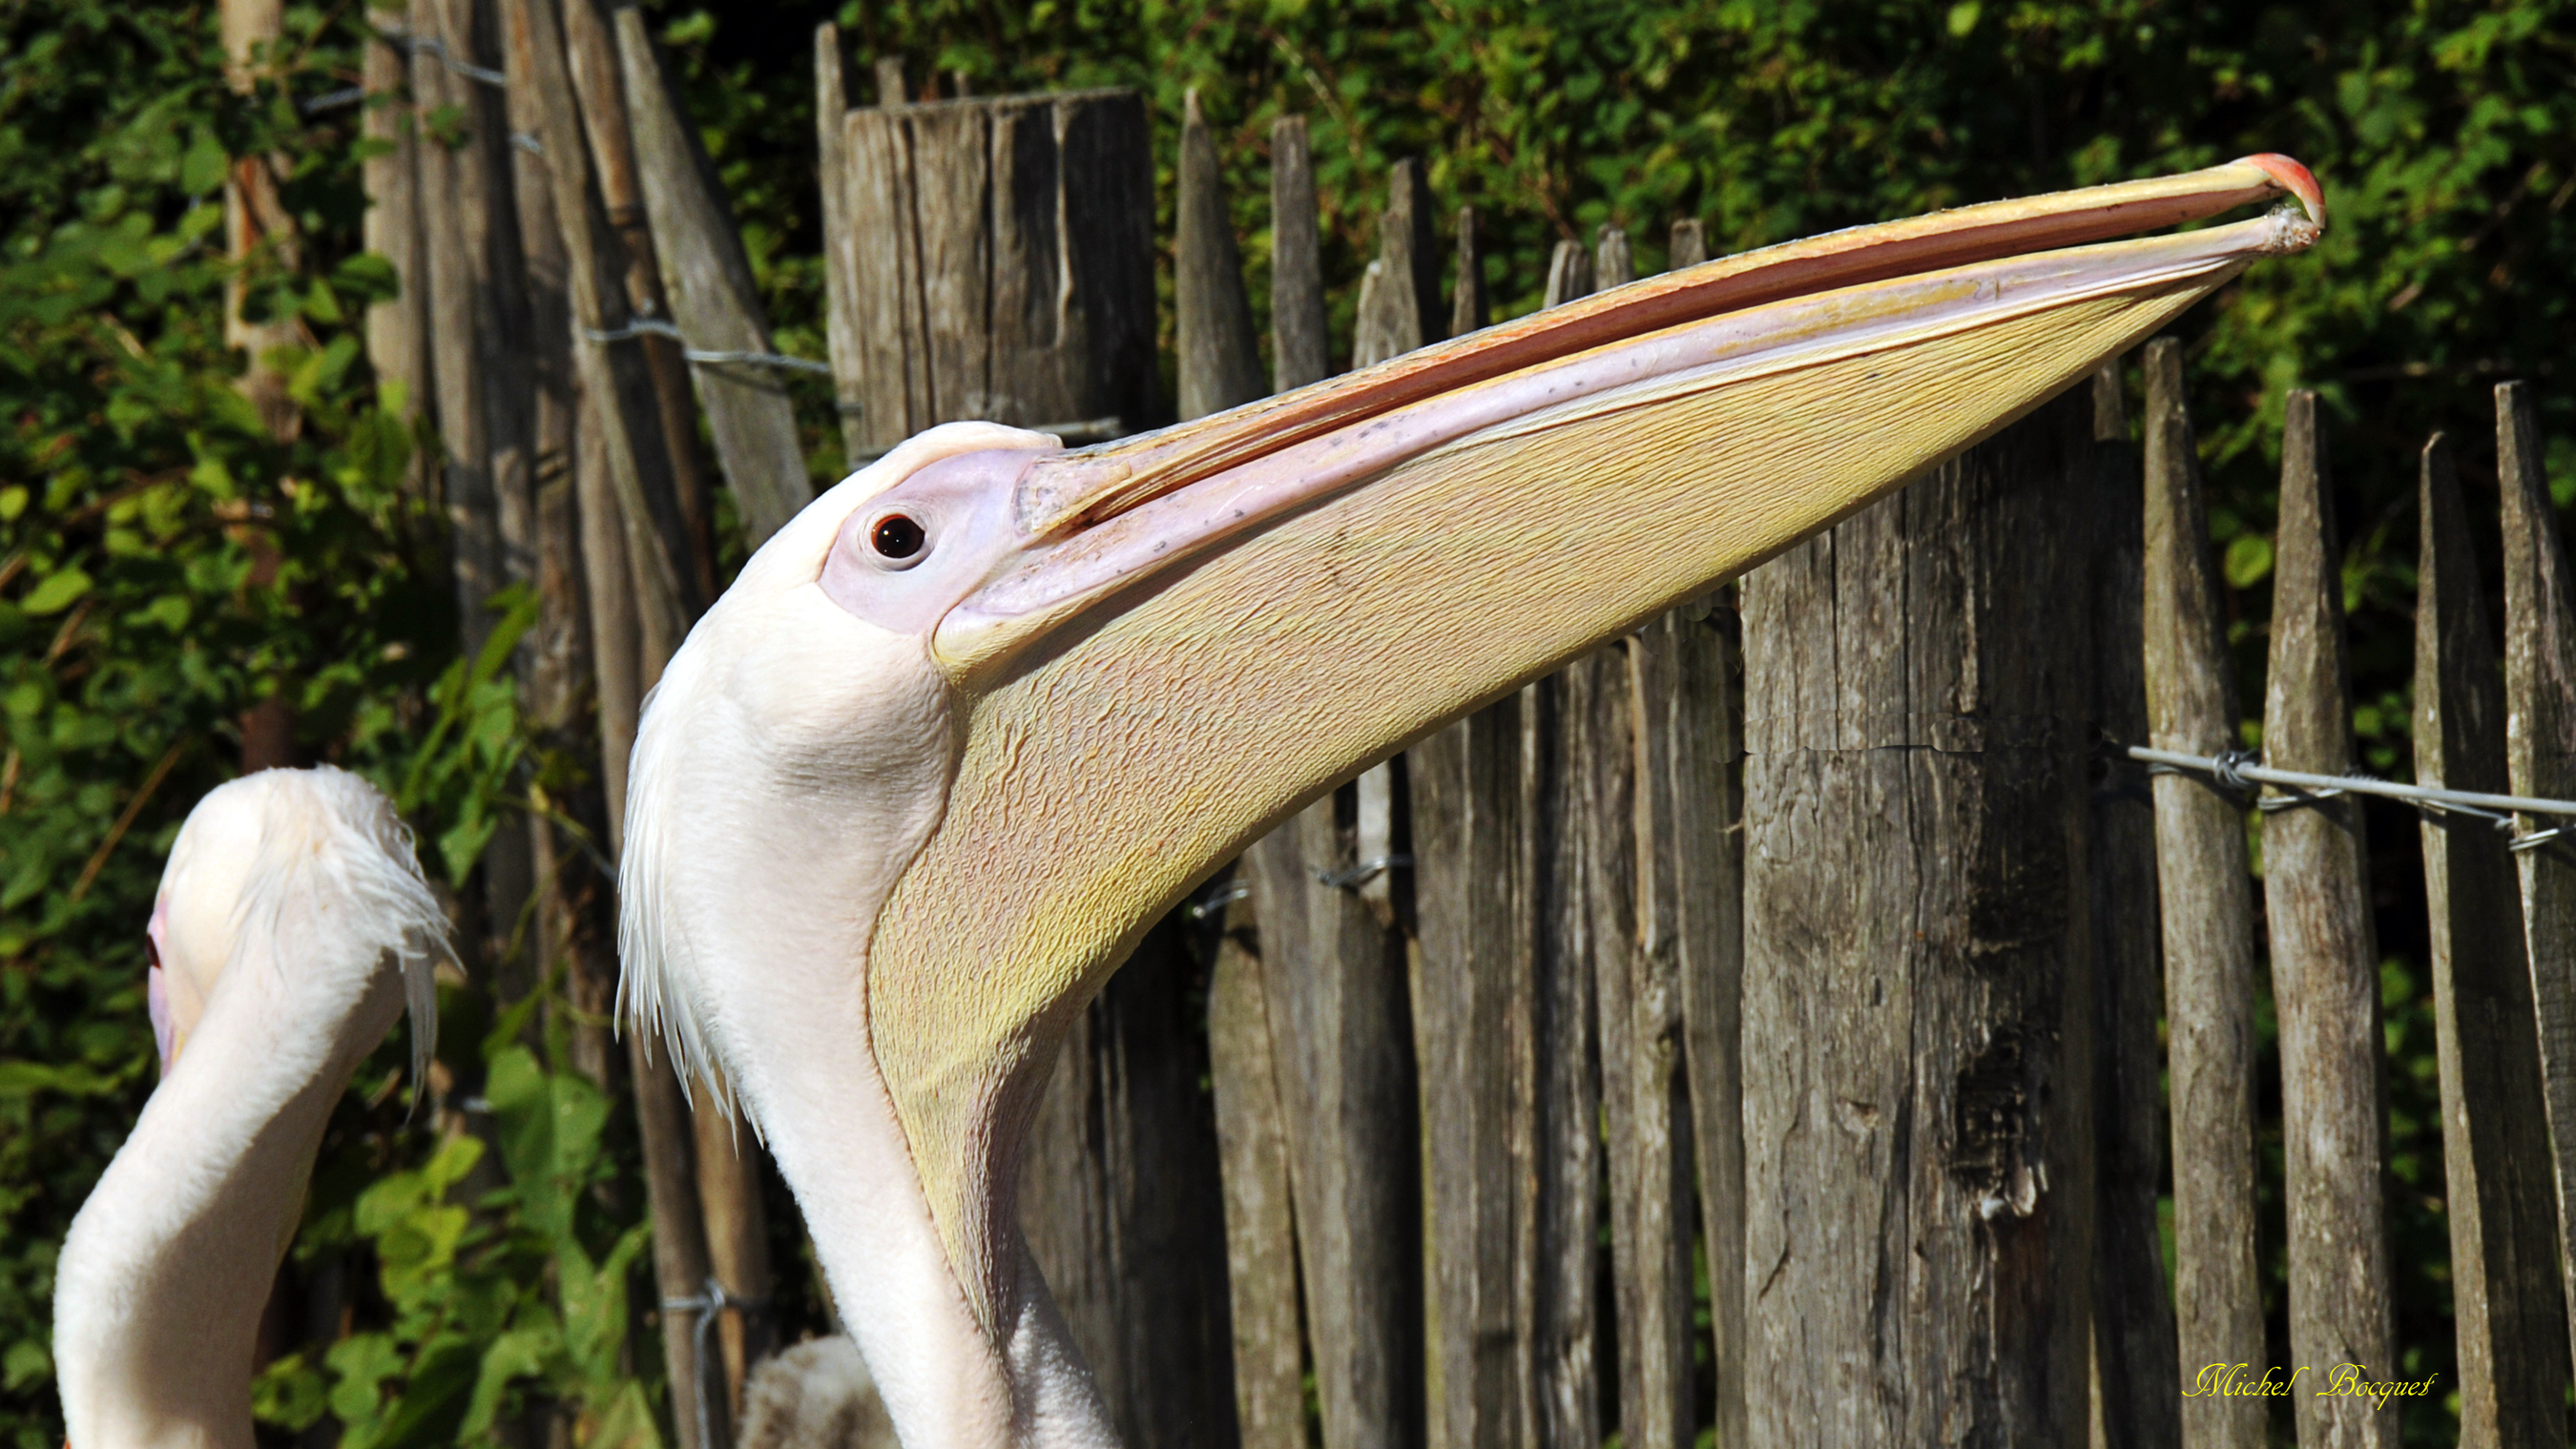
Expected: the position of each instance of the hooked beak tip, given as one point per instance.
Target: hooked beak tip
(2293, 178)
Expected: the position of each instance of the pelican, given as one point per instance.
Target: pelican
(964, 728)
(291, 928)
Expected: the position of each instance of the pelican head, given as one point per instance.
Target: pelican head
(967, 726)
(291, 928)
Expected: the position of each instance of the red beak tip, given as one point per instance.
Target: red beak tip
(2294, 178)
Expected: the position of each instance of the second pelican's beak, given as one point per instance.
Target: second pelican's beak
(1209, 626)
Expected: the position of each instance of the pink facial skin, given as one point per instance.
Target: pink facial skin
(951, 531)
(156, 990)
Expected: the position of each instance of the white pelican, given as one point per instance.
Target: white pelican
(985, 710)
(292, 927)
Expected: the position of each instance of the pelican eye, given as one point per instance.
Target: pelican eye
(898, 538)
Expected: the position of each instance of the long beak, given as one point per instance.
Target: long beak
(1214, 624)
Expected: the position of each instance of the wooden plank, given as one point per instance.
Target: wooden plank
(841, 317)
(1569, 274)
(397, 328)
(1260, 1216)
(707, 281)
(1562, 1263)
(1120, 1199)
(555, 668)
(1625, 699)
(1121, 1191)
(1708, 880)
(1341, 1034)
(1468, 310)
(1297, 333)
(1102, 321)
(1340, 1013)
(885, 269)
(1917, 961)
(479, 315)
(590, 47)
(2510, 1313)
(1707, 874)
(2325, 969)
(952, 160)
(1564, 1259)
(2540, 760)
(638, 619)
(2135, 1375)
(2205, 896)
(1403, 310)
(1614, 258)
(1472, 1025)
(1631, 866)
(1220, 360)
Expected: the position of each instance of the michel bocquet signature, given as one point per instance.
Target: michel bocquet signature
(2343, 1381)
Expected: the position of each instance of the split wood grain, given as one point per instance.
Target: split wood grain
(2540, 759)
(618, 382)
(1341, 1037)
(638, 616)
(1297, 335)
(2135, 1374)
(1215, 327)
(1565, 1258)
(1630, 713)
(590, 44)
(480, 354)
(554, 659)
(1468, 308)
(1120, 1198)
(2501, 1194)
(707, 282)
(1260, 1214)
(1120, 1190)
(1917, 961)
(1339, 1009)
(2205, 891)
(1474, 1037)
(2325, 970)
(1004, 262)
(1401, 311)
(1622, 710)
(397, 327)
(1220, 358)
(841, 319)
(1707, 874)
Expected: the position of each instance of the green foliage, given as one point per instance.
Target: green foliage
(165, 565)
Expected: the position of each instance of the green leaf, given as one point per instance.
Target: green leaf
(56, 593)
(1963, 18)
(202, 169)
(2249, 560)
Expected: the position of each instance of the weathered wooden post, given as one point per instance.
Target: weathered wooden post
(1003, 259)
(1252, 1125)
(1001, 255)
(1918, 960)
(1708, 884)
(2205, 890)
(643, 589)
(2540, 759)
(707, 278)
(2134, 1374)
(2512, 1322)
(397, 328)
(1334, 967)
(2325, 972)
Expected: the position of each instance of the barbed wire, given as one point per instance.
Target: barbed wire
(2242, 772)
(656, 327)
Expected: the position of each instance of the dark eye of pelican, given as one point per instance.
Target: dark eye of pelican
(896, 536)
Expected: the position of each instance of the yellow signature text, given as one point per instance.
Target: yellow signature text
(2343, 1381)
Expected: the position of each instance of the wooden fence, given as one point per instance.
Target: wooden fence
(1752, 1027)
